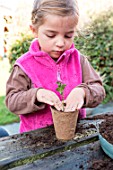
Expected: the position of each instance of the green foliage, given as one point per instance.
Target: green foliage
(6, 117)
(19, 47)
(98, 45)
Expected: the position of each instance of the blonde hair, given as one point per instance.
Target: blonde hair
(41, 8)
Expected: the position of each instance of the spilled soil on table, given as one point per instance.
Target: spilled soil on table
(105, 164)
(106, 127)
(106, 130)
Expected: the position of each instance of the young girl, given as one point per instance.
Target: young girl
(52, 57)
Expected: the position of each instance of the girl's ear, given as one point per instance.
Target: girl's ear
(33, 31)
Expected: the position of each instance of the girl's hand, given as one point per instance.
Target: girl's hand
(49, 97)
(75, 99)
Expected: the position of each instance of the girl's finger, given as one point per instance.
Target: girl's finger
(79, 105)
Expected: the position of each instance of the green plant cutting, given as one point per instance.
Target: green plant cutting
(60, 89)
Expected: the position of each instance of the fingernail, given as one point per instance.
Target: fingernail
(58, 108)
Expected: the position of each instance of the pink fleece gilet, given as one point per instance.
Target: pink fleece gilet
(45, 72)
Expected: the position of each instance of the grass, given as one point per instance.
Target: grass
(6, 117)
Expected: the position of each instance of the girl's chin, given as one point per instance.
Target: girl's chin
(55, 59)
(56, 54)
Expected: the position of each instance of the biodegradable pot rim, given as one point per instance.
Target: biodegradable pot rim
(53, 108)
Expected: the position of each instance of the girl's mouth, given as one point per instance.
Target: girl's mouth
(58, 52)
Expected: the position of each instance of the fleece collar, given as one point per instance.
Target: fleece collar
(35, 51)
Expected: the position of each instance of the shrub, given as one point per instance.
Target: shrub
(98, 45)
(19, 47)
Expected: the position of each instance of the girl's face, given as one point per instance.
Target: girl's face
(56, 34)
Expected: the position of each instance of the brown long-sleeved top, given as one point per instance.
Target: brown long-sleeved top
(21, 96)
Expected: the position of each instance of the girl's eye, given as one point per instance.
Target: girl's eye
(68, 36)
(50, 36)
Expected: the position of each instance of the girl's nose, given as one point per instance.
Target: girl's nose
(60, 43)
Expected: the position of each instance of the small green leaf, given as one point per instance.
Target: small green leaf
(61, 87)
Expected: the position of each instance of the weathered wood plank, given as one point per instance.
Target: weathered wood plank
(27, 147)
(77, 158)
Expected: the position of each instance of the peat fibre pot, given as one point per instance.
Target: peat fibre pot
(64, 124)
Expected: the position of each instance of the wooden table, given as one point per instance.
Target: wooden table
(40, 150)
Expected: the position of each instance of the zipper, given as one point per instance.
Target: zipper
(58, 74)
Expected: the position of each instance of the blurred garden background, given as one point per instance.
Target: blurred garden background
(94, 39)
